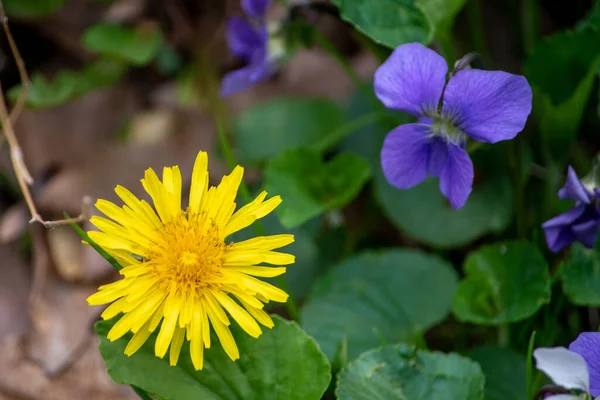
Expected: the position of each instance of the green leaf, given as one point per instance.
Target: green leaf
(44, 93)
(31, 8)
(424, 213)
(504, 371)
(559, 104)
(286, 123)
(137, 46)
(580, 274)
(284, 363)
(440, 13)
(392, 296)
(68, 85)
(505, 282)
(389, 22)
(400, 372)
(309, 187)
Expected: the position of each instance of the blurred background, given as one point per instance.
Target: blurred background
(105, 104)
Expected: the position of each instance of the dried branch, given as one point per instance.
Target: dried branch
(25, 82)
(16, 155)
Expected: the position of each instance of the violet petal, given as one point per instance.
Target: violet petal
(405, 155)
(587, 345)
(411, 79)
(438, 157)
(489, 106)
(586, 232)
(256, 8)
(574, 189)
(456, 179)
(558, 230)
(244, 39)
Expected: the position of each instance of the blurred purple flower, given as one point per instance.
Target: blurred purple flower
(580, 223)
(577, 368)
(487, 106)
(248, 38)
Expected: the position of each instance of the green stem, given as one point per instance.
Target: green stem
(529, 23)
(477, 30)
(291, 305)
(444, 39)
(518, 187)
(504, 335)
(355, 125)
(140, 392)
(529, 368)
(472, 146)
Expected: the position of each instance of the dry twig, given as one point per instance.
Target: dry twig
(16, 155)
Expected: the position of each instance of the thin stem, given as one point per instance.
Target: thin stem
(355, 125)
(529, 368)
(477, 31)
(291, 304)
(472, 146)
(446, 46)
(529, 24)
(25, 82)
(504, 335)
(24, 178)
(518, 187)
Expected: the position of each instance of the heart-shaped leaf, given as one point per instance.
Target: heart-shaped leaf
(373, 297)
(580, 275)
(284, 363)
(505, 282)
(389, 22)
(137, 46)
(309, 186)
(273, 127)
(401, 372)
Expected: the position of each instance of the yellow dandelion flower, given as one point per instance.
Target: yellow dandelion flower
(179, 268)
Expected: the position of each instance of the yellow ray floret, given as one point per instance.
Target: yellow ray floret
(180, 276)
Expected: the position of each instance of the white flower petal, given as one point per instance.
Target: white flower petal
(565, 368)
(563, 397)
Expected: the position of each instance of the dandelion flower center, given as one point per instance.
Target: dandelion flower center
(190, 254)
(180, 278)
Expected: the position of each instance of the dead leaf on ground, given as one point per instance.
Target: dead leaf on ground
(87, 379)
(124, 164)
(65, 135)
(14, 222)
(14, 292)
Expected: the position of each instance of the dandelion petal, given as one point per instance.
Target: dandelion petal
(411, 79)
(405, 155)
(566, 368)
(489, 106)
(456, 179)
(587, 345)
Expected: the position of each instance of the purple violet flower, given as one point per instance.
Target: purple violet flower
(248, 38)
(580, 223)
(487, 106)
(577, 368)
